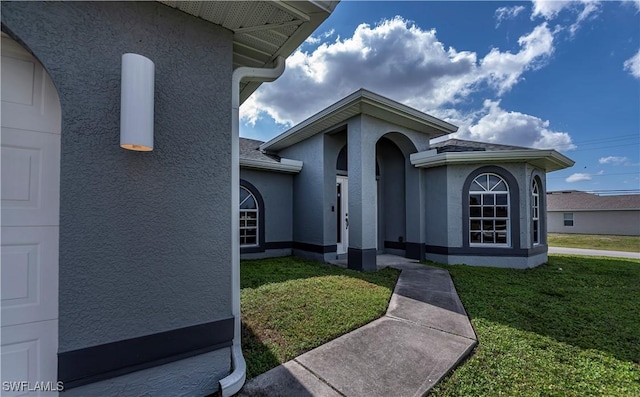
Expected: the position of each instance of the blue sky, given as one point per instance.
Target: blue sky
(562, 75)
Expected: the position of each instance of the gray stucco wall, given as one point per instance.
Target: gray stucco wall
(436, 207)
(308, 190)
(445, 219)
(276, 189)
(624, 223)
(145, 238)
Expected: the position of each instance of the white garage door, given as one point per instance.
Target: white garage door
(30, 210)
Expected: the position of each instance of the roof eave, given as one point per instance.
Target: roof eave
(295, 40)
(549, 160)
(360, 102)
(285, 165)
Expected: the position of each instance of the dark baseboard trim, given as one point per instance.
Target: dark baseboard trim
(320, 249)
(274, 245)
(362, 259)
(97, 363)
(251, 250)
(415, 251)
(396, 245)
(486, 251)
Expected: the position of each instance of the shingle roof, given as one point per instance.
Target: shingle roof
(577, 200)
(460, 145)
(249, 150)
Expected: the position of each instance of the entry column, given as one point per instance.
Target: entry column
(362, 197)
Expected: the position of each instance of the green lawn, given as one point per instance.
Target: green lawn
(290, 306)
(591, 241)
(567, 328)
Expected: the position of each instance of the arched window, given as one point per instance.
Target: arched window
(249, 218)
(489, 211)
(535, 211)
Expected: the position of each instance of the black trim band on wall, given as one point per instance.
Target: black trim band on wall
(274, 245)
(486, 251)
(261, 226)
(415, 251)
(96, 363)
(319, 249)
(396, 245)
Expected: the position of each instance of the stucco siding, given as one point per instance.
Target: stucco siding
(436, 207)
(624, 223)
(276, 190)
(308, 190)
(145, 238)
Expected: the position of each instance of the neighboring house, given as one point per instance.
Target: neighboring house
(587, 213)
(119, 268)
(361, 178)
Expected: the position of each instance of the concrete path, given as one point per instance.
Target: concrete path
(590, 252)
(424, 334)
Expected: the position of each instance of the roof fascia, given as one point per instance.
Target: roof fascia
(550, 160)
(285, 165)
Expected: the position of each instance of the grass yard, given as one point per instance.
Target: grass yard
(290, 306)
(592, 241)
(567, 328)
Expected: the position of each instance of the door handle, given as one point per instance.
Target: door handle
(346, 221)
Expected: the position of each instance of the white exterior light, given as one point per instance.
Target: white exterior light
(136, 103)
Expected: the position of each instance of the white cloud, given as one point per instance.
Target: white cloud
(396, 59)
(497, 125)
(550, 9)
(504, 69)
(615, 160)
(577, 177)
(632, 65)
(504, 13)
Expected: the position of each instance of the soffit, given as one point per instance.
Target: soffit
(262, 30)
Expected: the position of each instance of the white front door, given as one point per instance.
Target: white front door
(30, 222)
(342, 213)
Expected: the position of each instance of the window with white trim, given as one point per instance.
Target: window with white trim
(535, 211)
(489, 211)
(568, 218)
(248, 218)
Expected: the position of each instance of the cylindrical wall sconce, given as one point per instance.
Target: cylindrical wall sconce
(136, 103)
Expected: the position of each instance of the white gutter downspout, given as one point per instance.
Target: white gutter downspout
(235, 380)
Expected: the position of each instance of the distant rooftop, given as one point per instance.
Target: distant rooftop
(575, 200)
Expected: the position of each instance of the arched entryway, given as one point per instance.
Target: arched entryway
(391, 196)
(31, 123)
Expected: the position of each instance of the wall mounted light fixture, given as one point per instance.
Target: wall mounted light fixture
(136, 103)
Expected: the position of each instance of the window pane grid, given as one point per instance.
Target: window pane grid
(488, 210)
(248, 218)
(535, 211)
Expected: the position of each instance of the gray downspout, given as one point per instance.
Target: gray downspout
(231, 384)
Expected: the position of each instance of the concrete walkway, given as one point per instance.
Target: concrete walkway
(424, 334)
(590, 252)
